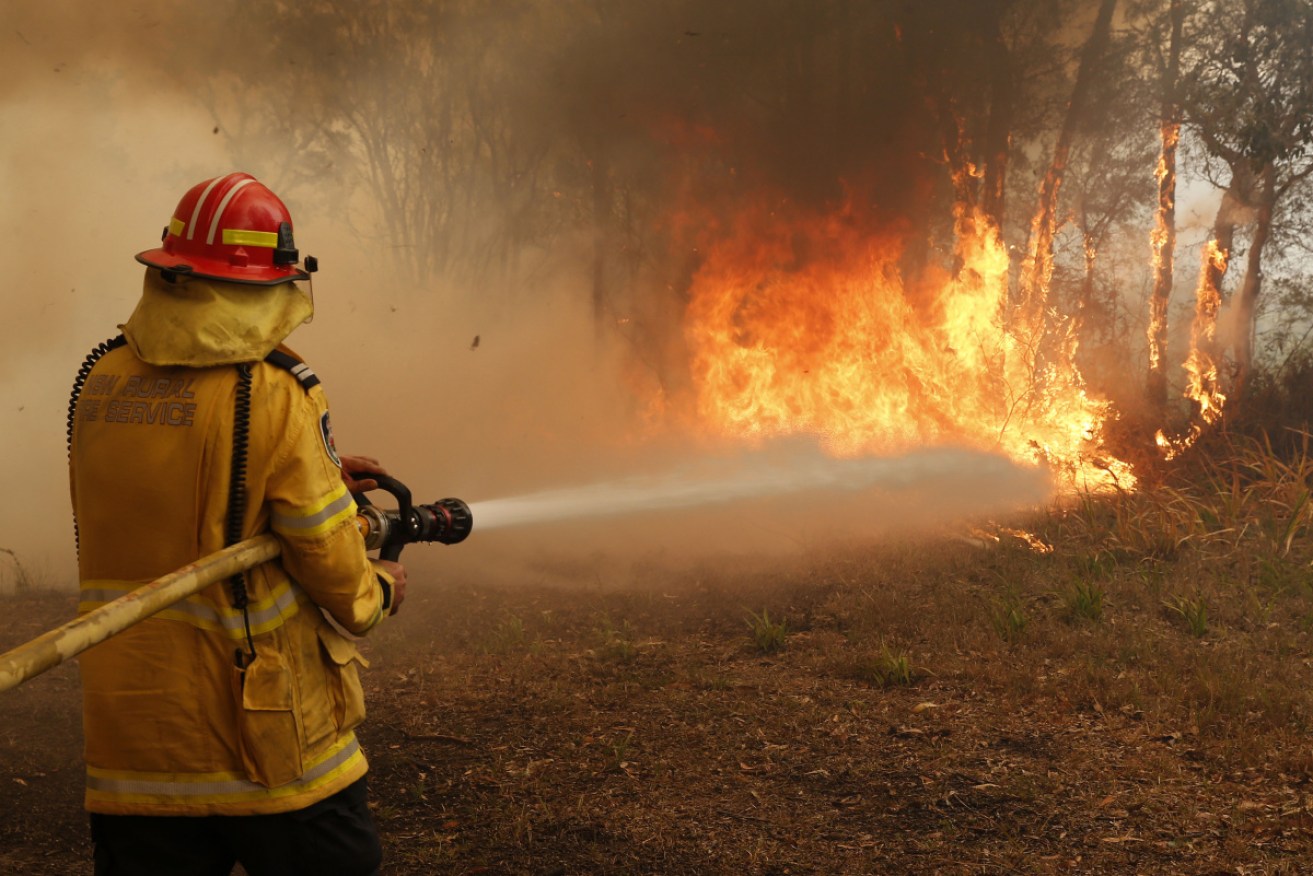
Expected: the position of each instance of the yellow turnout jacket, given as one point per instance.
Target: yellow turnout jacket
(173, 724)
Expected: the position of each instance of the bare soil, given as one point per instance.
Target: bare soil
(586, 730)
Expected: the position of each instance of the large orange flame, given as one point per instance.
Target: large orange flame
(806, 325)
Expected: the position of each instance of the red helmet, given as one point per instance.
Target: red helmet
(230, 228)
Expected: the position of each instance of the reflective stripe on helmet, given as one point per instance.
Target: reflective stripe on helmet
(200, 202)
(256, 245)
(223, 205)
(236, 237)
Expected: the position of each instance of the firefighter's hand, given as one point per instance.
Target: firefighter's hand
(359, 465)
(398, 573)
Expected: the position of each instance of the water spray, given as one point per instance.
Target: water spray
(759, 477)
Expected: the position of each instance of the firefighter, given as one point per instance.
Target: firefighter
(221, 729)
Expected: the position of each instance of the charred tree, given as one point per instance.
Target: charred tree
(967, 76)
(998, 130)
(1163, 239)
(1039, 261)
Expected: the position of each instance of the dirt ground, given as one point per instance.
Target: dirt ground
(585, 730)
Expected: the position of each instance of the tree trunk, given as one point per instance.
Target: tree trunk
(1246, 305)
(1164, 234)
(1202, 377)
(1224, 236)
(998, 131)
(601, 236)
(1085, 304)
(1039, 263)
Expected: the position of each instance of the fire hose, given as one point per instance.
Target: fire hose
(386, 530)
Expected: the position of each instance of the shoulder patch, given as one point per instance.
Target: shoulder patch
(326, 432)
(298, 369)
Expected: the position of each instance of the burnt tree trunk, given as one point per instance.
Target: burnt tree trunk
(1224, 236)
(1235, 206)
(1164, 235)
(1203, 385)
(998, 130)
(1085, 304)
(1039, 267)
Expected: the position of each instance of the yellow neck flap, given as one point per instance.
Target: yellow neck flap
(201, 323)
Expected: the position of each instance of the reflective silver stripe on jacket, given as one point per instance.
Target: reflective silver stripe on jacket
(220, 789)
(288, 523)
(201, 610)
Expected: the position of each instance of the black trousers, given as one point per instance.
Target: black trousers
(334, 837)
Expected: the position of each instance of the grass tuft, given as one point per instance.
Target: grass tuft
(888, 668)
(1007, 614)
(768, 636)
(1193, 611)
(615, 644)
(507, 636)
(1084, 601)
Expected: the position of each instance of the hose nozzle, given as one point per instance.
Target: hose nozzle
(446, 521)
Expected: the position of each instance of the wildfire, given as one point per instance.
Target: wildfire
(806, 325)
(1202, 383)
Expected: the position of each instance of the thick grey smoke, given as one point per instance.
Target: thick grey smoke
(486, 373)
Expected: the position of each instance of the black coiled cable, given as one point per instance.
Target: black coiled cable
(78, 382)
(237, 499)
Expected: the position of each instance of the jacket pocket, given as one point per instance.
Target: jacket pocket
(267, 727)
(345, 693)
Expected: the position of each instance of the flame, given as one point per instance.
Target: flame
(805, 325)
(1203, 385)
(1031, 540)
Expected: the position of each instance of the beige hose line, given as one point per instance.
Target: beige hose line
(53, 648)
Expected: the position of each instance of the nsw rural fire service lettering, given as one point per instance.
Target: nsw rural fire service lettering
(141, 400)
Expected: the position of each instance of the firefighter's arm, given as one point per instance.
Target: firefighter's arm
(313, 515)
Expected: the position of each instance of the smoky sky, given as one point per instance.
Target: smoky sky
(815, 102)
(109, 112)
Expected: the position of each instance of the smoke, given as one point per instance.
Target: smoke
(495, 370)
(93, 151)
